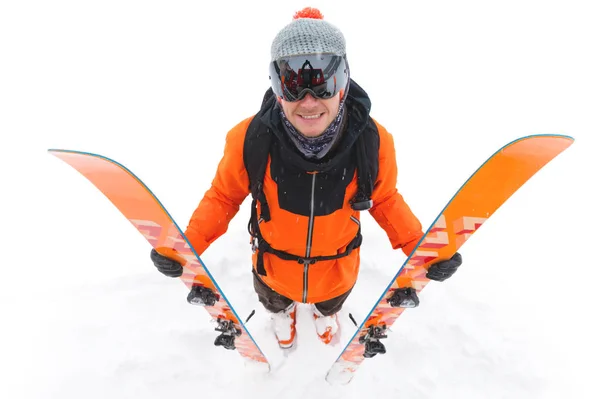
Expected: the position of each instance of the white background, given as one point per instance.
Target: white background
(156, 85)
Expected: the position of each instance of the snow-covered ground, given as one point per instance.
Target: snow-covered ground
(156, 85)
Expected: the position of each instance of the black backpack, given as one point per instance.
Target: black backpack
(257, 146)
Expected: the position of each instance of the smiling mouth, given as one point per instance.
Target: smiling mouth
(315, 116)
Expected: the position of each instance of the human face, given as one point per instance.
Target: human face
(311, 116)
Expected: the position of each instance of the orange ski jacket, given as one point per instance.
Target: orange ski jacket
(309, 205)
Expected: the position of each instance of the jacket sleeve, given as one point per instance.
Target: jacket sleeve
(389, 208)
(222, 201)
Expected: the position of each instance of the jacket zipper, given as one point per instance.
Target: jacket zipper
(309, 237)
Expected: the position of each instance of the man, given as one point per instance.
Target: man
(306, 212)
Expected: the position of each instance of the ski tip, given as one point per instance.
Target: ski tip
(558, 135)
(257, 367)
(563, 136)
(545, 135)
(57, 152)
(339, 374)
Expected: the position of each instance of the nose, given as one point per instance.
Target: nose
(308, 100)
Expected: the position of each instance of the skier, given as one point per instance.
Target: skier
(312, 158)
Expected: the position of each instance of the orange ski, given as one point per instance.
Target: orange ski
(480, 196)
(139, 205)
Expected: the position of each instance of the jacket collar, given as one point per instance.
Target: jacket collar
(358, 107)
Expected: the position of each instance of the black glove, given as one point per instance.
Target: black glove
(166, 266)
(445, 269)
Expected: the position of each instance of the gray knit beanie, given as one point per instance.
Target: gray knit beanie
(308, 33)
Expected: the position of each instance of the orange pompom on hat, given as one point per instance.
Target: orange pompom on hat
(308, 12)
(308, 33)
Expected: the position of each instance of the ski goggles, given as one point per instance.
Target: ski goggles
(321, 75)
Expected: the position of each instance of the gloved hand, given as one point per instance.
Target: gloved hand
(443, 270)
(166, 266)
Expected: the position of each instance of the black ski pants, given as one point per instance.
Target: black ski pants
(275, 302)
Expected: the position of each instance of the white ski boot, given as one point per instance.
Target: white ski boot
(326, 326)
(284, 325)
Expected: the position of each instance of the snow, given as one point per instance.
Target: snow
(156, 85)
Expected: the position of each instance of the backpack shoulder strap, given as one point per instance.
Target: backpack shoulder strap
(367, 156)
(257, 145)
